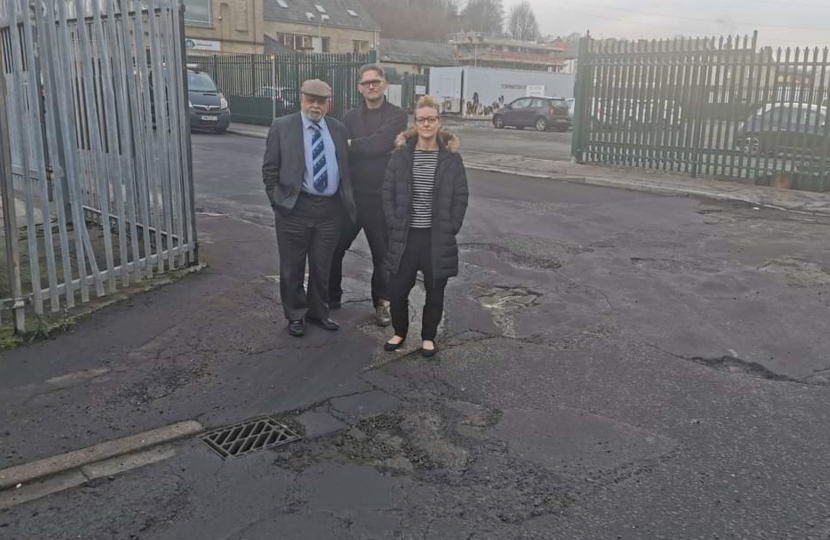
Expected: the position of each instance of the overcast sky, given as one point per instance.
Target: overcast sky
(797, 23)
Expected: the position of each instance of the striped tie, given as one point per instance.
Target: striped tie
(318, 158)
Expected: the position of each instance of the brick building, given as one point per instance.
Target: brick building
(274, 26)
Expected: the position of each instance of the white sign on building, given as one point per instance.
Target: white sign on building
(535, 90)
(202, 45)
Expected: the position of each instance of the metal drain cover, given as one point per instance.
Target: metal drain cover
(250, 436)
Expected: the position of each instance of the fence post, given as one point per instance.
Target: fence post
(253, 74)
(273, 87)
(10, 228)
(584, 80)
(194, 236)
(703, 89)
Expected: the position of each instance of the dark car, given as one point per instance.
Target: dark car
(208, 107)
(790, 128)
(542, 113)
(283, 100)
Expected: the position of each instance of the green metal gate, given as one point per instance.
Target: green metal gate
(413, 87)
(712, 107)
(262, 87)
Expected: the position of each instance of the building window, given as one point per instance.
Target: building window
(300, 42)
(326, 44)
(198, 12)
(360, 46)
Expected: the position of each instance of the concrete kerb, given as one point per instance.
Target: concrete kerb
(99, 454)
(643, 185)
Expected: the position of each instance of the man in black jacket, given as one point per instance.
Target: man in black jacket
(372, 127)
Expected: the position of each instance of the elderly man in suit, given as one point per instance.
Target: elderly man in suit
(306, 175)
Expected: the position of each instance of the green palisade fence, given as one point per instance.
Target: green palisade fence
(262, 87)
(721, 108)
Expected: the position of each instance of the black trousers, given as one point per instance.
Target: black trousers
(417, 256)
(369, 219)
(309, 231)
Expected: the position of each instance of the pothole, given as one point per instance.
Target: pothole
(734, 365)
(801, 274)
(510, 299)
(502, 302)
(670, 266)
(548, 257)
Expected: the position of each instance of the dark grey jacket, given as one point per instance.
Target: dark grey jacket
(370, 151)
(283, 168)
(449, 203)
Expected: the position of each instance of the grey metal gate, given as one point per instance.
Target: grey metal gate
(715, 107)
(95, 163)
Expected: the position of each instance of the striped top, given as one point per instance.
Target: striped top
(424, 166)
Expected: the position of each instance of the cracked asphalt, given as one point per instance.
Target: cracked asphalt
(614, 365)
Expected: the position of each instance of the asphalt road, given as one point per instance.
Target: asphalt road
(614, 365)
(483, 137)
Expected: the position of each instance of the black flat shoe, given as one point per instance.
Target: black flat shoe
(296, 328)
(429, 353)
(392, 347)
(325, 324)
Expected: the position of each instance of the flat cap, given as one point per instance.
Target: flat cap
(316, 87)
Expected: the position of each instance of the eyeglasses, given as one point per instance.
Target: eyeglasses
(424, 120)
(369, 84)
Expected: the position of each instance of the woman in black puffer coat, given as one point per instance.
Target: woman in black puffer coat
(424, 201)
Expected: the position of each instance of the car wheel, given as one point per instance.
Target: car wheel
(541, 124)
(498, 122)
(751, 145)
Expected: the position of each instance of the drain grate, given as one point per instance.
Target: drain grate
(247, 437)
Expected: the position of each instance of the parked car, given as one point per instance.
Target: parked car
(208, 107)
(571, 108)
(783, 128)
(636, 113)
(285, 97)
(542, 113)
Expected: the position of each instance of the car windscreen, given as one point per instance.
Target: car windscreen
(200, 82)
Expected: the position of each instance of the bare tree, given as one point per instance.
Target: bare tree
(419, 20)
(486, 16)
(521, 23)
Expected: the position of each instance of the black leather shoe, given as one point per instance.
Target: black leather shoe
(429, 353)
(325, 324)
(392, 347)
(296, 328)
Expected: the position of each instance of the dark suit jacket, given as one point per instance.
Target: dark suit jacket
(283, 168)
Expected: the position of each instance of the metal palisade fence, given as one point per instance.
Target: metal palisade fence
(711, 107)
(262, 87)
(95, 163)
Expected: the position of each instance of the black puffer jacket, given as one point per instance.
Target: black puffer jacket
(448, 207)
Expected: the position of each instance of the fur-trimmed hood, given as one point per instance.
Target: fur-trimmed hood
(445, 139)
